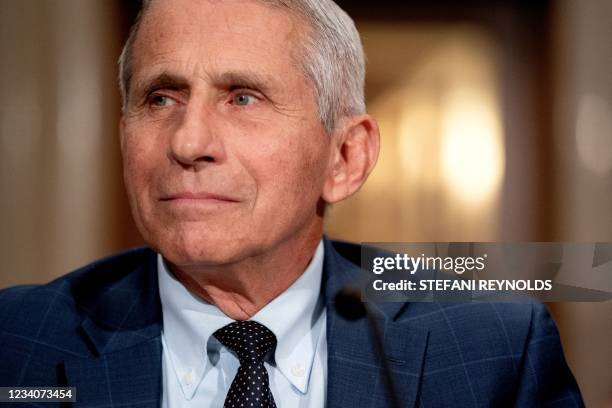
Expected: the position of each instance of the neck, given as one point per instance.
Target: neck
(241, 289)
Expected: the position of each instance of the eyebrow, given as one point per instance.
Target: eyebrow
(229, 79)
(243, 79)
(163, 80)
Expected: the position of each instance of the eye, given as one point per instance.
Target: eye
(242, 99)
(161, 100)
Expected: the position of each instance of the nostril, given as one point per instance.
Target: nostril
(207, 159)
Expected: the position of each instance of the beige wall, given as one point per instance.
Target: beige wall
(58, 139)
(583, 137)
(435, 91)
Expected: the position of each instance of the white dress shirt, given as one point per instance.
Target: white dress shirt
(198, 371)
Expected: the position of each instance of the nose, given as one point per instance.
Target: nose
(195, 142)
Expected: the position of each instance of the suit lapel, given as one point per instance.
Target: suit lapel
(355, 376)
(128, 377)
(123, 331)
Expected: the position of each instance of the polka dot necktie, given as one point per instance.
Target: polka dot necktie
(251, 341)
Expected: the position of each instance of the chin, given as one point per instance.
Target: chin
(199, 248)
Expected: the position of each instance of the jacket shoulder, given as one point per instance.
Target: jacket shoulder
(27, 311)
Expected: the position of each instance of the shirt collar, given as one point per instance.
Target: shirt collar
(188, 323)
(295, 317)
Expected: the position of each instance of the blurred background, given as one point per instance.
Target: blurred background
(496, 120)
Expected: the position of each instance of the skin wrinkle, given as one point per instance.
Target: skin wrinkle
(272, 157)
(328, 35)
(296, 31)
(246, 78)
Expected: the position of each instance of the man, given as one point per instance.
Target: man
(242, 121)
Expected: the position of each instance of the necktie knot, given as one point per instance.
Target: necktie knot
(250, 340)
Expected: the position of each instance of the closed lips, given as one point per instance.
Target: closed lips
(197, 196)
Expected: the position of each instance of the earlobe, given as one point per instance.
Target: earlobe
(355, 154)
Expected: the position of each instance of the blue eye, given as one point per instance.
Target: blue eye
(161, 100)
(243, 99)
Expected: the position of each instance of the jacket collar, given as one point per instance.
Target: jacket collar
(355, 376)
(123, 309)
(122, 330)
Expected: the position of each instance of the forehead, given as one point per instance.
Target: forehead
(218, 34)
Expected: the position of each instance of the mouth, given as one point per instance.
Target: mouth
(197, 197)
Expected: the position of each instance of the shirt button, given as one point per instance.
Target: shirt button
(188, 378)
(298, 370)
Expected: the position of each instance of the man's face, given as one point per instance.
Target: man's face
(224, 153)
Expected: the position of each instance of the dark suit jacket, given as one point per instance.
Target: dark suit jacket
(98, 329)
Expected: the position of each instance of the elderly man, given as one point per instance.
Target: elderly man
(242, 121)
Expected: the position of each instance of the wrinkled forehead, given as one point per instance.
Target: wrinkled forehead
(253, 31)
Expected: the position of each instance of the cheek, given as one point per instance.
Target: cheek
(292, 175)
(139, 157)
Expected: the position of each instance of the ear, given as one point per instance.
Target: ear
(355, 151)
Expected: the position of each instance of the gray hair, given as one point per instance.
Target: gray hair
(331, 57)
